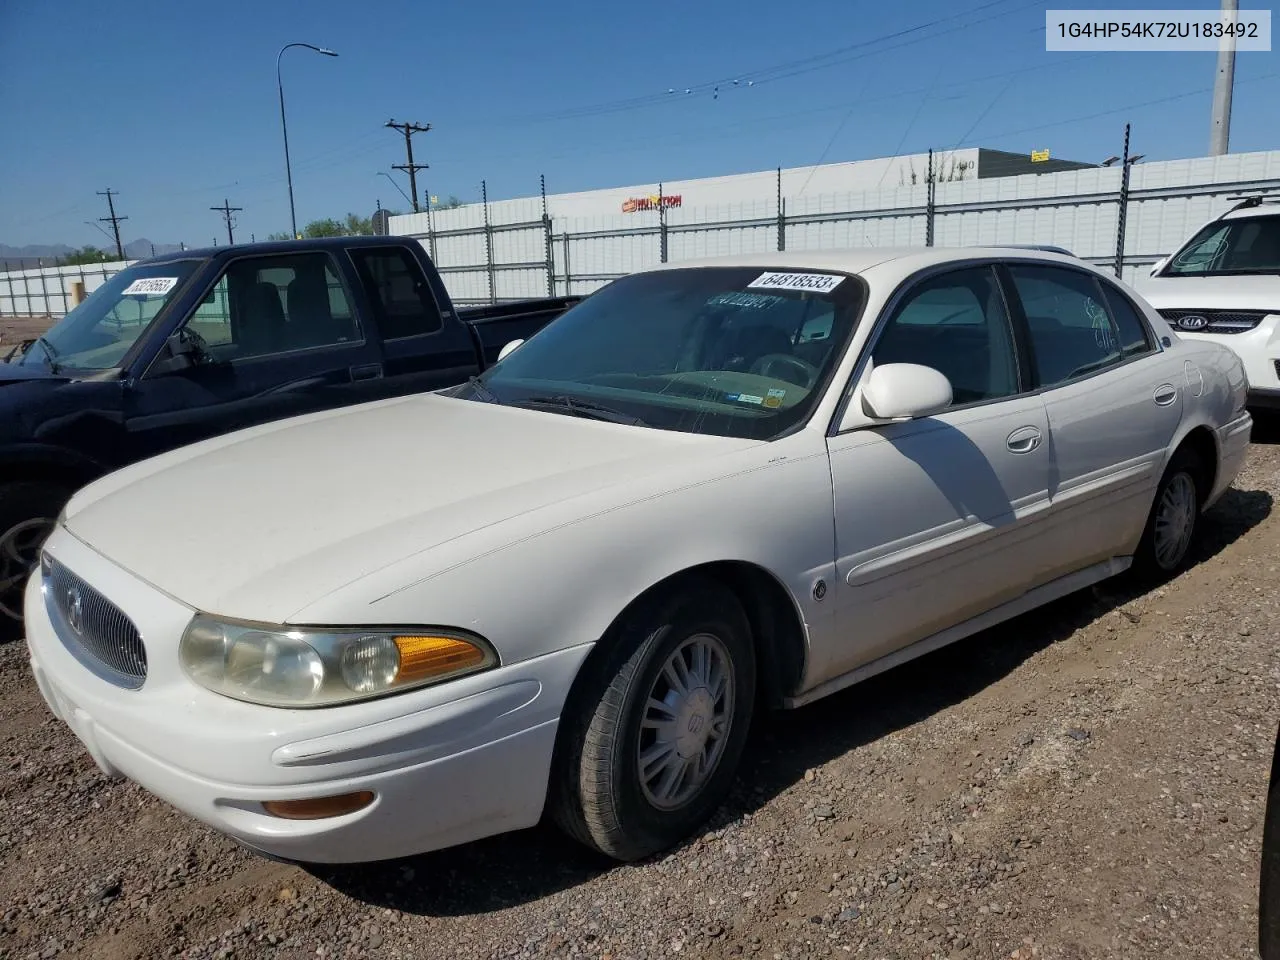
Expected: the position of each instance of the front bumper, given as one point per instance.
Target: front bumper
(447, 764)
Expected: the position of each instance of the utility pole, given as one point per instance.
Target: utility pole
(113, 219)
(409, 129)
(227, 210)
(1220, 125)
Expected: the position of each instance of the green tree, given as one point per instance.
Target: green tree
(452, 203)
(352, 225)
(88, 254)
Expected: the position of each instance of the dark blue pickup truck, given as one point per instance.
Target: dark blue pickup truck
(186, 346)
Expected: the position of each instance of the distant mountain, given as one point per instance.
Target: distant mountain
(31, 254)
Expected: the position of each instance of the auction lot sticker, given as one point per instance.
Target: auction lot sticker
(150, 287)
(813, 282)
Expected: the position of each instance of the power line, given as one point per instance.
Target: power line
(409, 129)
(113, 219)
(226, 210)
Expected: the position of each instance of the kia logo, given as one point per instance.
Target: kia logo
(75, 609)
(1193, 322)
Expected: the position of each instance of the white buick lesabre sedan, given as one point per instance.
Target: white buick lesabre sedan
(567, 585)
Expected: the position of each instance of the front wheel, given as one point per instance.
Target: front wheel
(652, 739)
(1174, 519)
(27, 515)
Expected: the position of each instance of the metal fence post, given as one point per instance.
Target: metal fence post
(8, 279)
(1123, 210)
(488, 241)
(782, 216)
(44, 289)
(929, 206)
(568, 276)
(431, 231)
(662, 227)
(546, 232)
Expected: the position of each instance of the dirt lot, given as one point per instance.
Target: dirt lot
(17, 329)
(1087, 781)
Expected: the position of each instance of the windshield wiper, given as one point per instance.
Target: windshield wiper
(583, 408)
(485, 394)
(50, 354)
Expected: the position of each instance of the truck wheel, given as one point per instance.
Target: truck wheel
(27, 514)
(652, 739)
(1174, 519)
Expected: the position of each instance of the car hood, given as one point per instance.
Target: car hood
(22, 373)
(1253, 292)
(260, 523)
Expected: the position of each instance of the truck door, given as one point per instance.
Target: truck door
(274, 336)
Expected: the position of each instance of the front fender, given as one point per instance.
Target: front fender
(558, 578)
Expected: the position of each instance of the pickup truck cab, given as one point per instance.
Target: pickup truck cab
(182, 347)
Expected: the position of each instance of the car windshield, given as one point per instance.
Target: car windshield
(99, 332)
(1231, 247)
(723, 351)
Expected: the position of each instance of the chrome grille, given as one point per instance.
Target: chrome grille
(1215, 321)
(94, 629)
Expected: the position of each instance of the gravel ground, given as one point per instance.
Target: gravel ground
(1086, 781)
(16, 329)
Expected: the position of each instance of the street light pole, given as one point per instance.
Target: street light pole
(288, 171)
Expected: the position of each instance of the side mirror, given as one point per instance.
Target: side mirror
(508, 349)
(176, 355)
(905, 391)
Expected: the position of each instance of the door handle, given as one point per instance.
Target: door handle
(1165, 394)
(367, 371)
(1023, 440)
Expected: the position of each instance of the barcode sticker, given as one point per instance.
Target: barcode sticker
(150, 287)
(815, 282)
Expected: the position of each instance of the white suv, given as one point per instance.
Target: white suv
(1224, 285)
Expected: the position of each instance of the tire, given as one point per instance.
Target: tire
(1174, 519)
(597, 792)
(28, 512)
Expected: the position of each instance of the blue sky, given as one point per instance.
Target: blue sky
(174, 104)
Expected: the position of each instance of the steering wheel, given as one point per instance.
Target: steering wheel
(764, 365)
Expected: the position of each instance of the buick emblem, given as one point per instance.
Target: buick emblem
(75, 609)
(1193, 322)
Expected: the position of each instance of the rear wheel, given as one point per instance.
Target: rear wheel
(652, 739)
(28, 511)
(1174, 518)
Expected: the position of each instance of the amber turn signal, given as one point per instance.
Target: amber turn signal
(317, 808)
(425, 657)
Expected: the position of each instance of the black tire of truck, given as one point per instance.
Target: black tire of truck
(28, 511)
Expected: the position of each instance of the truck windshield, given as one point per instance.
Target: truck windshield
(725, 351)
(1231, 247)
(99, 332)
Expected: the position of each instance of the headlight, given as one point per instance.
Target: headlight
(305, 667)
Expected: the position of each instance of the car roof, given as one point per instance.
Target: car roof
(1266, 209)
(857, 260)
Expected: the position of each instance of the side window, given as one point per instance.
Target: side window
(401, 299)
(1071, 332)
(956, 323)
(1135, 339)
(267, 305)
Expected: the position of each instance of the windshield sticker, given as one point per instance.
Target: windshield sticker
(813, 282)
(740, 298)
(150, 287)
(774, 399)
(745, 398)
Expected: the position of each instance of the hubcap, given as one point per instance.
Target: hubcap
(1175, 521)
(686, 721)
(19, 553)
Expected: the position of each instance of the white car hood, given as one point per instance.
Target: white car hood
(1252, 292)
(260, 523)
